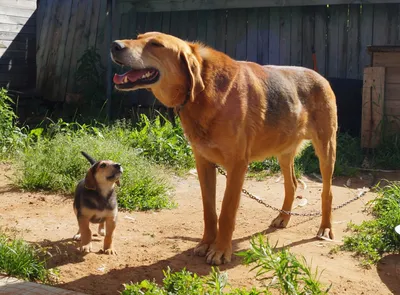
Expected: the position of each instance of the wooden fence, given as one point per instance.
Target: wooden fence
(17, 44)
(339, 34)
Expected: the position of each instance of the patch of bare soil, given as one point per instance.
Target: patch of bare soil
(149, 242)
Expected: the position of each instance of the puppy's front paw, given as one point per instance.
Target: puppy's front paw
(77, 237)
(109, 251)
(86, 248)
(201, 249)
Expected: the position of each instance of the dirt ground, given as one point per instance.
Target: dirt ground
(148, 242)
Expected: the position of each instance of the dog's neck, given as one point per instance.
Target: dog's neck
(104, 191)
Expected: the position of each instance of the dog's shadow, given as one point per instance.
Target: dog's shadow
(62, 252)
(112, 281)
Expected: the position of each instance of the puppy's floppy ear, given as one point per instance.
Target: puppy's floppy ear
(193, 66)
(90, 180)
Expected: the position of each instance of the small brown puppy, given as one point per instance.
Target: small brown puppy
(96, 202)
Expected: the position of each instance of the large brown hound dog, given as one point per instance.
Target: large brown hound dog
(234, 112)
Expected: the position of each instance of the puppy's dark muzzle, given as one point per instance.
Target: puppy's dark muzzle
(118, 167)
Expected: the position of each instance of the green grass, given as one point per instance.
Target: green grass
(54, 163)
(159, 141)
(372, 239)
(23, 260)
(292, 275)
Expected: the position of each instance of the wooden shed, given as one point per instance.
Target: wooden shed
(18, 44)
(381, 95)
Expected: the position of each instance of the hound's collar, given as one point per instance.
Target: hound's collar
(89, 188)
(180, 107)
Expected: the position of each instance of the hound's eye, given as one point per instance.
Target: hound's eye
(155, 44)
(102, 165)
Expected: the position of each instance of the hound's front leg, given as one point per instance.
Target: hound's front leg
(221, 250)
(207, 178)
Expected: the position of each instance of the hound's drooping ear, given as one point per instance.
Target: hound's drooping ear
(90, 181)
(196, 82)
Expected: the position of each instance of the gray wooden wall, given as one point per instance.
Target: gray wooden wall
(274, 35)
(17, 44)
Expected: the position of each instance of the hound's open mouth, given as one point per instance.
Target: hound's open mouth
(136, 77)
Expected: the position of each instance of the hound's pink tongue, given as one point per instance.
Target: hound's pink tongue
(132, 75)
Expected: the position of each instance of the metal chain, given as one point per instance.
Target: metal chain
(317, 213)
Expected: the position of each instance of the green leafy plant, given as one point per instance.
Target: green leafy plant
(282, 269)
(12, 137)
(186, 283)
(23, 260)
(373, 238)
(89, 77)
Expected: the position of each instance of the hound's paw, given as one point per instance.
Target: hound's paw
(109, 251)
(219, 255)
(77, 237)
(281, 221)
(201, 249)
(325, 233)
(86, 248)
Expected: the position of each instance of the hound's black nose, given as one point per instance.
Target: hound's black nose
(117, 46)
(118, 166)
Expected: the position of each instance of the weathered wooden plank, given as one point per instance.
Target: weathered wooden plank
(141, 22)
(94, 20)
(174, 23)
(333, 41)
(211, 28)
(221, 26)
(194, 26)
(166, 22)
(39, 15)
(60, 60)
(372, 106)
(366, 27)
(263, 36)
(68, 65)
(173, 5)
(392, 91)
(20, 4)
(296, 36)
(308, 36)
(18, 69)
(343, 40)
(17, 61)
(18, 29)
(232, 19)
(284, 35)
(9, 36)
(18, 20)
(274, 30)
(183, 24)
(77, 52)
(252, 35)
(386, 59)
(56, 53)
(201, 27)
(42, 48)
(392, 108)
(393, 75)
(14, 45)
(132, 19)
(241, 35)
(353, 42)
(13, 11)
(385, 24)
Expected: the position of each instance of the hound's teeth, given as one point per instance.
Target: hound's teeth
(125, 79)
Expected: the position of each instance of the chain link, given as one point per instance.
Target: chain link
(316, 213)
